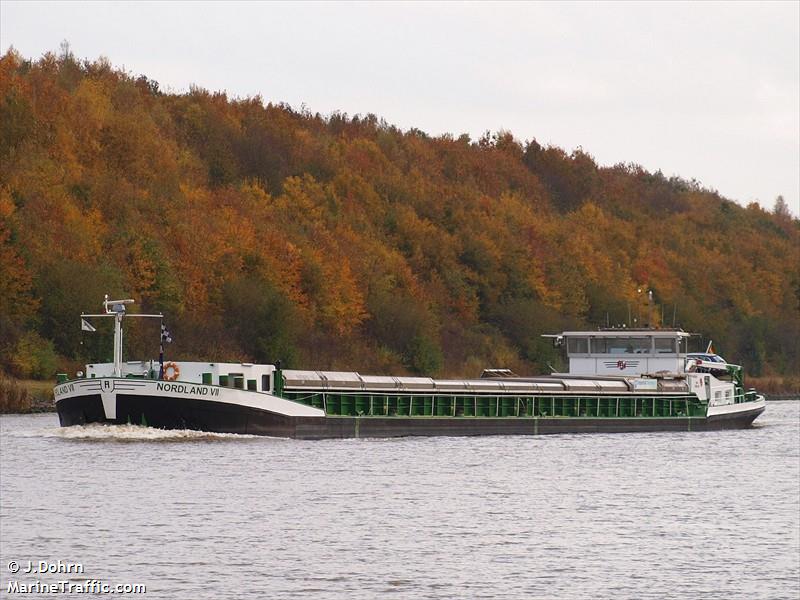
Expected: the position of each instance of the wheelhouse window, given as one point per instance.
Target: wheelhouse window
(683, 345)
(265, 383)
(578, 345)
(620, 345)
(665, 345)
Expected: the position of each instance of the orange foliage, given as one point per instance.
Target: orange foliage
(367, 238)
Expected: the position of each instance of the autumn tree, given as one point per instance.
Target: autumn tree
(267, 232)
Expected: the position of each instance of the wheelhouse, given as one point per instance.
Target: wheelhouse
(625, 351)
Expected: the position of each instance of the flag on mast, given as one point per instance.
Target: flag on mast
(86, 326)
(710, 349)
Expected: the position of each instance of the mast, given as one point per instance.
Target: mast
(116, 309)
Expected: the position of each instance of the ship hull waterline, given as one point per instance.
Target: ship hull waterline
(186, 412)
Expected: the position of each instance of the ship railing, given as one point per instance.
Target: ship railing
(748, 396)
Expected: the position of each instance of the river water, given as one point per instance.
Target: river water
(193, 515)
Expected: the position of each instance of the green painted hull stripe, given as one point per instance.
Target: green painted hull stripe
(518, 407)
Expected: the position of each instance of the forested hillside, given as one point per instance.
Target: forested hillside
(264, 232)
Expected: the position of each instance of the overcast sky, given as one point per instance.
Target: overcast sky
(709, 91)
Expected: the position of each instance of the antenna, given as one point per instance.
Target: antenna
(115, 306)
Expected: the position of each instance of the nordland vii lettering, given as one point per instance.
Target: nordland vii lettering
(192, 390)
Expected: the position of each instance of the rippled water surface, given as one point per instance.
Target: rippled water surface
(194, 515)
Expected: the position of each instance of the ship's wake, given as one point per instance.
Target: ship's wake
(96, 432)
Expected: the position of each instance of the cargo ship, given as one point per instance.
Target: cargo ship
(619, 380)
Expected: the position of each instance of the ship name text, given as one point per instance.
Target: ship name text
(180, 388)
(65, 389)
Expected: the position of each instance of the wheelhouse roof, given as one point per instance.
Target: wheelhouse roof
(615, 333)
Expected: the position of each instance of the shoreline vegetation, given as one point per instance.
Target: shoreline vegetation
(24, 396)
(776, 388)
(27, 396)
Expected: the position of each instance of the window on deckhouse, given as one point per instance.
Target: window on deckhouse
(621, 345)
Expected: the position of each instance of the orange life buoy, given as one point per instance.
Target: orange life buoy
(171, 366)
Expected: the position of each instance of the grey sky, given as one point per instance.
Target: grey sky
(709, 91)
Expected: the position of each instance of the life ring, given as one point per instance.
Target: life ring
(176, 371)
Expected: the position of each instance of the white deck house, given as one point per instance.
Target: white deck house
(625, 351)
